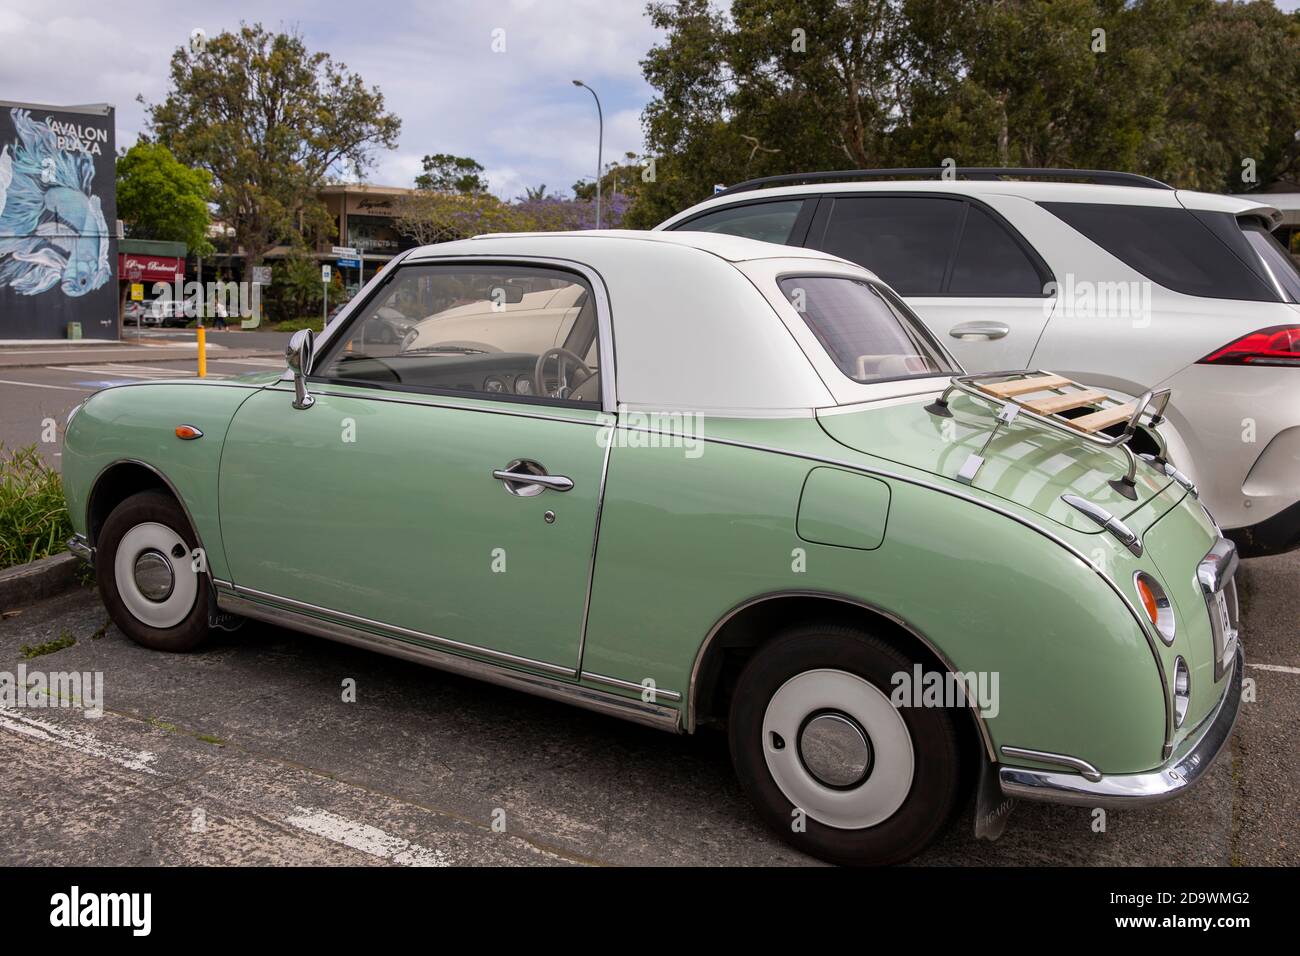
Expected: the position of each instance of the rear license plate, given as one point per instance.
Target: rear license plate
(1221, 603)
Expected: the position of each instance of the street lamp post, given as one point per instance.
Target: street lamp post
(600, 144)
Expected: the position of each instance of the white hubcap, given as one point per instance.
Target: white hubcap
(838, 749)
(153, 574)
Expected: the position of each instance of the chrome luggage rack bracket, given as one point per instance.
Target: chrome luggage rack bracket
(1010, 392)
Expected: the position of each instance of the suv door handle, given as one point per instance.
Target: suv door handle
(979, 330)
(527, 478)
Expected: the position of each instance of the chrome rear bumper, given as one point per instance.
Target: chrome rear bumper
(1183, 770)
(79, 545)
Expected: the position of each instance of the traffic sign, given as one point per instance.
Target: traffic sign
(349, 263)
(324, 273)
(345, 252)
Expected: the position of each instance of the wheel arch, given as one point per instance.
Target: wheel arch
(754, 622)
(121, 479)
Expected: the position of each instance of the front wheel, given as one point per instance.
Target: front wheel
(833, 766)
(148, 575)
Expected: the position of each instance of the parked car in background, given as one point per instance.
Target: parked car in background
(735, 492)
(137, 313)
(1121, 282)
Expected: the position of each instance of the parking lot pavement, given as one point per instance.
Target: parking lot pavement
(247, 753)
(31, 396)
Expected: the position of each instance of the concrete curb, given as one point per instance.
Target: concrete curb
(43, 578)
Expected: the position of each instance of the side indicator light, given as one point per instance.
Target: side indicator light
(188, 432)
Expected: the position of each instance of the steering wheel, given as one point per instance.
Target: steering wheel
(563, 389)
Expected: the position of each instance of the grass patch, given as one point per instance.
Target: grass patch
(316, 324)
(34, 519)
(29, 651)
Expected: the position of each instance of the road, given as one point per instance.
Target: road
(247, 753)
(42, 384)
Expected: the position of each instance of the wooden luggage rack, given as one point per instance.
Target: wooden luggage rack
(1045, 397)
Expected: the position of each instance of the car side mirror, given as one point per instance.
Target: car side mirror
(299, 355)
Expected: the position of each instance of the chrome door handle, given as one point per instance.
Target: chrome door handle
(979, 330)
(554, 482)
(526, 478)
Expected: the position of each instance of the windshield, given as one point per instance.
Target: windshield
(868, 333)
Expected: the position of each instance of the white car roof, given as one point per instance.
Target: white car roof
(1034, 191)
(692, 331)
(730, 248)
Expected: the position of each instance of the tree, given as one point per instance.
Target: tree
(270, 120)
(160, 198)
(1185, 90)
(446, 173)
(428, 216)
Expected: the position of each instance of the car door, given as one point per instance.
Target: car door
(440, 494)
(970, 277)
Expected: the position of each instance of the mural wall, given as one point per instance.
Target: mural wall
(58, 214)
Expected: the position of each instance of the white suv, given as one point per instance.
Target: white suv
(1120, 281)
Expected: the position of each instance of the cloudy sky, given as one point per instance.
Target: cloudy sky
(516, 112)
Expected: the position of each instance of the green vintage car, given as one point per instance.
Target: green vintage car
(691, 479)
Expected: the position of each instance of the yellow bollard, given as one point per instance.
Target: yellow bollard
(203, 352)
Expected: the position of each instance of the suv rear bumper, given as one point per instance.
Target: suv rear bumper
(1275, 535)
(1179, 774)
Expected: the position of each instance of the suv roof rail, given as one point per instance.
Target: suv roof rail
(1103, 177)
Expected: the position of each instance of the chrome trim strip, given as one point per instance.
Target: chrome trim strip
(80, 545)
(1117, 528)
(630, 685)
(1040, 756)
(1136, 789)
(595, 544)
(505, 409)
(394, 631)
(637, 711)
(1152, 640)
(693, 686)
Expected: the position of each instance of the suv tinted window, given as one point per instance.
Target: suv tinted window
(1279, 265)
(991, 262)
(1169, 246)
(870, 338)
(907, 241)
(768, 221)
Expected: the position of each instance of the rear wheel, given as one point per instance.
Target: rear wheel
(831, 764)
(146, 573)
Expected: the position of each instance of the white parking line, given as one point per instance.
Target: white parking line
(1279, 668)
(65, 388)
(363, 837)
(137, 760)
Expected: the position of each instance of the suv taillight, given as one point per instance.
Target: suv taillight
(1279, 345)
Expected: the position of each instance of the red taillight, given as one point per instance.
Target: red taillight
(1279, 345)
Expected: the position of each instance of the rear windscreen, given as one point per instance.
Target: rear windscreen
(1201, 253)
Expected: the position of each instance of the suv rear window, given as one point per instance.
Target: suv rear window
(1172, 247)
(870, 337)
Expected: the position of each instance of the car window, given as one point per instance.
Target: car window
(906, 240)
(1278, 264)
(768, 221)
(871, 337)
(510, 332)
(991, 262)
(1171, 247)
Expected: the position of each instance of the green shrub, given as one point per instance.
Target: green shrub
(34, 519)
